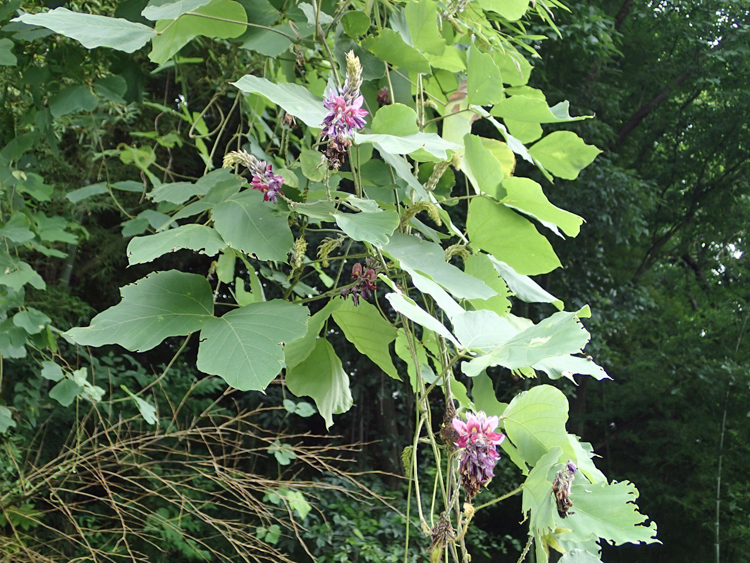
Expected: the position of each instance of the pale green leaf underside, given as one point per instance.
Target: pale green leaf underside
(527, 196)
(375, 228)
(164, 304)
(421, 18)
(430, 142)
(195, 237)
(322, 377)
(524, 287)
(567, 366)
(564, 154)
(533, 110)
(93, 31)
(244, 346)
(391, 47)
(411, 310)
(296, 100)
(482, 168)
(160, 10)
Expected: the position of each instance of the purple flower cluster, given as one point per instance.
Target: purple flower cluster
(478, 439)
(345, 113)
(267, 182)
(365, 283)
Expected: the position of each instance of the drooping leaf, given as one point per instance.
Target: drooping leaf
(322, 377)
(93, 31)
(17, 228)
(7, 58)
(375, 228)
(31, 320)
(535, 423)
(524, 287)
(564, 154)
(441, 297)
(537, 501)
(295, 99)
(195, 237)
(411, 310)
(6, 420)
(179, 192)
(509, 9)
(147, 410)
(164, 304)
(245, 346)
(421, 18)
(567, 366)
(483, 393)
(296, 351)
(65, 392)
(225, 20)
(527, 196)
(484, 171)
(16, 273)
(365, 327)
(254, 226)
(72, 99)
(533, 110)
(391, 47)
(51, 371)
(481, 267)
(429, 258)
(392, 144)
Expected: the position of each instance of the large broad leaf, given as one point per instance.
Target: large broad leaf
(93, 31)
(483, 393)
(164, 304)
(527, 196)
(296, 351)
(482, 330)
(537, 494)
(72, 99)
(322, 377)
(180, 192)
(16, 273)
(509, 237)
(481, 267)
(31, 320)
(564, 154)
(375, 228)
(430, 142)
(17, 228)
(295, 99)
(608, 511)
(166, 10)
(254, 226)
(395, 119)
(484, 83)
(195, 237)
(391, 47)
(509, 9)
(429, 258)
(560, 334)
(441, 297)
(535, 423)
(365, 327)
(533, 110)
(225, 20)
(7, 58)
(579, 556)
(421, 18)
(524, 287)
(484, 170)
(244, 346)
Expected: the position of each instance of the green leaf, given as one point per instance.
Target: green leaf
(313, 166)
(245, 346)
(195, 237)
(375, 228)
(112, 88)
(51, 371)
(429, 259)
(537, 495)
(429, 142)
(481, 267)
(564, 154)
(179, 192)
(7, 58)
(482, 330)
(559, 334)
(147, 410)
(395, 119)
(72, 99)
(15, 273)
(579, 556)
(483, 170)
(535, 423)
(166, 10)
(609, 511)
(411, 310)
(496, 229)
(164, 304)
(355, 23)
(295, 99)
(65, 392)
(391, 47)
(93, 31)
(567, 366)
(534, 110)
(6, 420)
(527, 196)
(254, 226)
(524, 287)
(175, 34)
(284, 453)
(225, 266)
(17, 228)
(483, 393)
(31, 320)
(321, 377)
(421, 18)
(365, 327)
(484, 83)
(509, 9)
(296, 351)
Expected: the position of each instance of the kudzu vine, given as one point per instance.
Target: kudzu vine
(359, 193)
